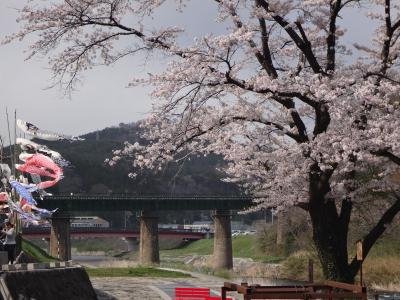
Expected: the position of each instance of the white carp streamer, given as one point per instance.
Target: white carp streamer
(34, 131)
(5, 171)
(30, 146)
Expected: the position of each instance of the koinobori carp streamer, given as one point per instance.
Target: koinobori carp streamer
(24, 191)
(42, 165)
(5, 171)
(34, 131)
(4, 197)
(30, 146)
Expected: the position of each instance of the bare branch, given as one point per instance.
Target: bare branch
(335, 7)
(386, 153)
(266, 51)
(303, 45)
(377, 231)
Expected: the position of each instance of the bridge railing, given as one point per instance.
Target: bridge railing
(149, 197)
(121, 202)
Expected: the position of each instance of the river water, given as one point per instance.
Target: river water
(386, 296)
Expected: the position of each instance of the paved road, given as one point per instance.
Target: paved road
(117, 288)
(127, 288)
(92, 260)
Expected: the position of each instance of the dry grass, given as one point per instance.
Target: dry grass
(382, 271)
(112, 263)
(135, 272)
(295, 267)
(118, 264)
(391, 287)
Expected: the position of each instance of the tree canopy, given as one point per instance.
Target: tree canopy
(302, 118)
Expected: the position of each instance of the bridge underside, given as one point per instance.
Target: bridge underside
(67, 203)
(114, 234)
(149, 206)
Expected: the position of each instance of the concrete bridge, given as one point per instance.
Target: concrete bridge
(149, 207)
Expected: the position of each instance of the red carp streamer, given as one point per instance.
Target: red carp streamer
(3, 197)
(44, 166)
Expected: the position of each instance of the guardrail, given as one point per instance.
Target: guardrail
(323, 290)
(37, 266)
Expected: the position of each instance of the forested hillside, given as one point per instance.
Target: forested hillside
(89, 174)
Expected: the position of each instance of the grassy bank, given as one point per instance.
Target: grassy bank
(243, 246)
(381, 267)
(36, 252)
(109, 245)
(135, 272)
(227, 274)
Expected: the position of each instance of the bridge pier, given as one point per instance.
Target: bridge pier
(148, 248)
(131, 243)
(47, 243)
(222, 256)
(60, 238)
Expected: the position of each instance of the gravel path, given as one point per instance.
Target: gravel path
(137, 288)
(124, 288)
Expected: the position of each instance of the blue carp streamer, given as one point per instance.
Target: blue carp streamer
(24, 191)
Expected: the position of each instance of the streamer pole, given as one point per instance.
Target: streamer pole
(1, 149)
(11, 149)
(15, 142)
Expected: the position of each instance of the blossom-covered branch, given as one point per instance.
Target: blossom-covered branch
(300, 118)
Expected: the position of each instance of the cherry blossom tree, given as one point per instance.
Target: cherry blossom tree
(301, 118)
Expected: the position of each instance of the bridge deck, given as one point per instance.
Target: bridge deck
(133, 202)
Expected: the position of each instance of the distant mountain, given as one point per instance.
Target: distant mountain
(89, 173)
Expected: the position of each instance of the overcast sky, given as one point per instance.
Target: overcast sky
(103, 99)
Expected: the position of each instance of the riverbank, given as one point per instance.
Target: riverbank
(147, 286)
(381, 268)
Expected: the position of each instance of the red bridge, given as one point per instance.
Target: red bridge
(44, 232)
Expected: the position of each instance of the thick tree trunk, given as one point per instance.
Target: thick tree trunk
(330, 239)
(280, 229)
(329, 228)
(331, 243)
